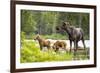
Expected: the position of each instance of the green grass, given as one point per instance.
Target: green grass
(30, 52)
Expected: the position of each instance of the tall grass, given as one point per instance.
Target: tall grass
(30, 52)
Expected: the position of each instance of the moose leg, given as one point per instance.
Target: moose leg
(41, 47)
(70, 45)
(48, 47)
(85, 50)
(75, 49)
(83, 43)
(56, 49)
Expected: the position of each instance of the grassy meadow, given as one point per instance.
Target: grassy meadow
(30, 52)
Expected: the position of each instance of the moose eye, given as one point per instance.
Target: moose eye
(57, 28)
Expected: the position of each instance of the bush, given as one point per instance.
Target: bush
(46, 36)
(30, 52)
(22, 36)
(30, 36)
(55, 36)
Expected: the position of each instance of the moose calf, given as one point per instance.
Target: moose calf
(42, 42)
(59, 44)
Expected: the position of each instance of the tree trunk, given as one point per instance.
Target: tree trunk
(41, 23)
(80, 20)
(55, 22)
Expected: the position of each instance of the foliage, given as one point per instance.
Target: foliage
(27, 22)
(45, 22)
(30, 52)
(56, 36)
(22, 37)
(52, 36)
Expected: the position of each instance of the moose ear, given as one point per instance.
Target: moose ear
(68, 23)
(64, 23)
(37, 35)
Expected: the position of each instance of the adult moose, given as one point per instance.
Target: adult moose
(74, 34)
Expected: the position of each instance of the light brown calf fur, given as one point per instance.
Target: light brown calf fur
(59, 44)
(42, 42)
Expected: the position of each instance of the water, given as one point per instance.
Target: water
(80, 44)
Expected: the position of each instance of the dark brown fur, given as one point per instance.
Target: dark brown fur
(74, 34)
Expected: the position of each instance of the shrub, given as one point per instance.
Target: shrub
(55, 36)
(30, 52)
